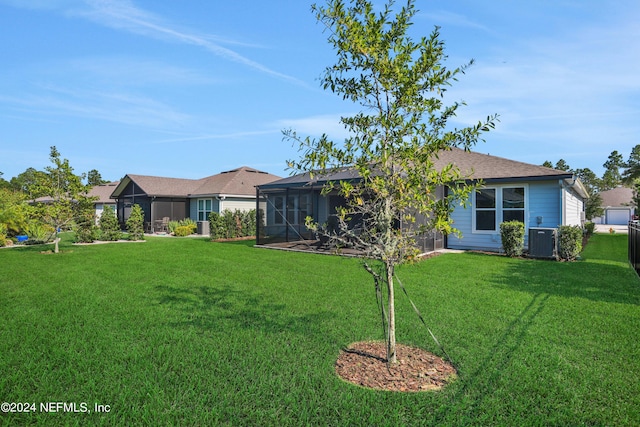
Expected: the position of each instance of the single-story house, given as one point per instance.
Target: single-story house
(103, 194)
(171, 199)
(618, 206)
(536, 195)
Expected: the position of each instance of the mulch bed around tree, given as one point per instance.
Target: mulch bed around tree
(364, 364)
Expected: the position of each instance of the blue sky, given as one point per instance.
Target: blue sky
(192, 88)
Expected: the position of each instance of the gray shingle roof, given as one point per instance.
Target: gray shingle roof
(487, 167)
(471, 164)
(240, 181)
(103, 191)
(617, 197)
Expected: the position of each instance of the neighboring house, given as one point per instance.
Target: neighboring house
(535, 195)
(618, 206)
(176, 198)
(103, 193)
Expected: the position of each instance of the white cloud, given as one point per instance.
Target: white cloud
(315, 126)
(124, 15)
(110, 106)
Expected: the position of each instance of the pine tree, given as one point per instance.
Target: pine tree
(109, 225)
(135, 223)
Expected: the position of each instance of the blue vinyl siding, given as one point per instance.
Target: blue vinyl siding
(543, 200)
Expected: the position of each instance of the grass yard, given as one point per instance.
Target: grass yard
(188, 332)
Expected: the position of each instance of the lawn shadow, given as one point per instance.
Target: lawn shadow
(479, 385)
(588, 279)
(212, 308)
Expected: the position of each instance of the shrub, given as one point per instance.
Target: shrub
(135, 223)
(172, 225)
(3, 234)
(569, 242)
(216, 226)
(109, 226)
(590, 228)
(38, 232)
(512, 235)
(189, 223)
(232, 224)
(183, 230)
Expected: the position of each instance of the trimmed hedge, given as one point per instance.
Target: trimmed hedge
(512, 235)
(229, 225)
(569, 242)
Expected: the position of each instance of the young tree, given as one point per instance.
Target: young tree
(109, 226)
(135, 223)
(399, 83)
(62, 189)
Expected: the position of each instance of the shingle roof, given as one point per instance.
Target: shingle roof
(487, 167)
(103, 191)
(240, 181)
(471, 164)
(617, 197)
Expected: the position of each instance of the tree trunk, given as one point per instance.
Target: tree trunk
(391, 333)
(55, 242)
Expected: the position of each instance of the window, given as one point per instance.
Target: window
(486, 209)
(205, 206)
(495, 205)
(305, 208)
(513, 204)
(278, 204)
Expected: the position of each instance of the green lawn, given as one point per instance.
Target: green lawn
(188, 332)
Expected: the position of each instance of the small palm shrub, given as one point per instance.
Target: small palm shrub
(512, 235)
(172, 225)
(135, 223)
(569, 242)
(109, 226)
(38, 232)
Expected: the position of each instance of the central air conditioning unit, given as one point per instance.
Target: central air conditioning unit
(543, 242)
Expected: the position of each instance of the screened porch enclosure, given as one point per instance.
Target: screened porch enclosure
(157, 210)
(286, 213)
(287, 209)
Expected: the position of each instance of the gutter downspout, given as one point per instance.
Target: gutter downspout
(562, 215)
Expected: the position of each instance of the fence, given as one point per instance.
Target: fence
(634, 245)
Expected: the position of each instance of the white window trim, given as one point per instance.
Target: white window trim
(198, 210)
(499, 208)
